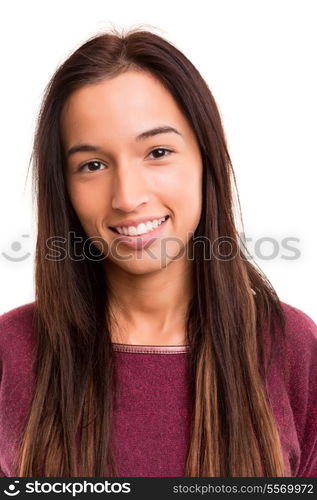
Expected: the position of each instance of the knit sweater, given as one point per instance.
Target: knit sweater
(152, 407)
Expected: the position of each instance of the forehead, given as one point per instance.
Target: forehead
(126, 104)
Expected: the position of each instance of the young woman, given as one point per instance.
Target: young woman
(155, 347)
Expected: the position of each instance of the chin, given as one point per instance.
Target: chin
(140, 266)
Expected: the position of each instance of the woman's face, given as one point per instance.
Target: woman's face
(126, 172)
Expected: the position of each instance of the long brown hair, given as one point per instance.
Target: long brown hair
(233, 429)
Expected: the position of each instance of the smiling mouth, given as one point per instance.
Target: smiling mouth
(143, 234)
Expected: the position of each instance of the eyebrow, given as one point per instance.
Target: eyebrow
(144, 135)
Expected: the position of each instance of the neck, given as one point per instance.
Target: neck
(149, 308)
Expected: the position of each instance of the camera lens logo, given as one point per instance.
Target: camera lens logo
(16, 247)
(12, 492)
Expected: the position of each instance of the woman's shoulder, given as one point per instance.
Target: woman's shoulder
(300, 348)
(17, 313)
(17, 317)
(16, 328)
(301, 388)
(298, 319)
(299, 358)
(300, 330)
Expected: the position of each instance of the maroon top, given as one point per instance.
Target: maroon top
(152, 410)
(153, 399)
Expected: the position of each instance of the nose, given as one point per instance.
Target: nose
(129, 188)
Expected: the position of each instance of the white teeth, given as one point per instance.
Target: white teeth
(141, 228)
(132, 231)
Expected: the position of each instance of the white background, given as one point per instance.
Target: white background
(259, 60)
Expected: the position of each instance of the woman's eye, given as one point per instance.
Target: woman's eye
(159, 151)
(94, 165)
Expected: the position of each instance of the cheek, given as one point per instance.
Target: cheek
(87, 201)
(190, 214)
(190, 199)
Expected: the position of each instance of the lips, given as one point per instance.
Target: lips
(140, 240)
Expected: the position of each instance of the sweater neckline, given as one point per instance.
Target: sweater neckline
(150, 349)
